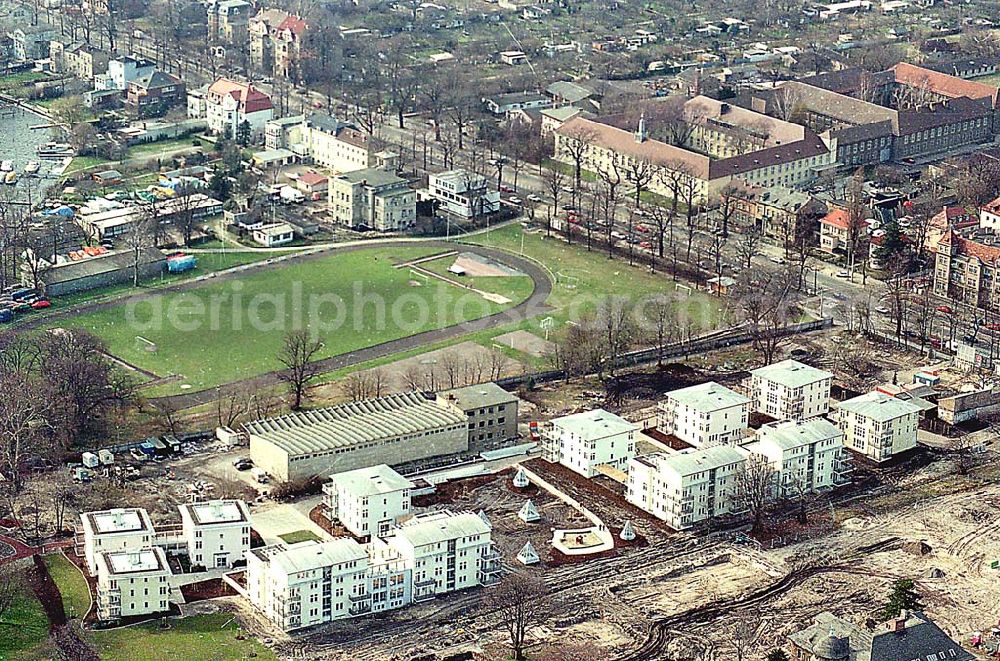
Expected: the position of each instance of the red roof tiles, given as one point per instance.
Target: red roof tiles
(837, 218)
(944, 84)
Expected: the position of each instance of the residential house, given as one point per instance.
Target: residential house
(835, 230)
(368, 501)
(567, 93)
(585, 441)
(907, 637)
(967, 271)
(114, 531)
(778, 212)
(372, 198)
(123, 70)
(277, 41)
(445, 552)
(463, 193)
(491, 411)
(313, 184)
(217, 532)
(704, 415)
(805, 455)
(228, 105)
(339, 146)
(877, 425)
(502, 105)
(271, 235)
(29, 46)
(513, 57)
(77, 59)
(151, 95)
(790, 390)
(989, 216)
(228, 21)
(966, 68)
(686, 487)
(131, 583)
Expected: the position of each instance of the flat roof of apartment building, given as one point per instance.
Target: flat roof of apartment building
(371, 481)
(708, 397)
(216, 512)
(111, 522)
(791, 373)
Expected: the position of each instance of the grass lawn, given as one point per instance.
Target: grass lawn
(230, 330)
(80, 163)
(582, 277)
(210, 636)
(516, 288)
(71, 583)
(23, 626)
(161, 146)
(299, 536)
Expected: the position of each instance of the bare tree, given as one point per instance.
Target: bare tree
(554, 181)
(519, 602)
(748, 247)
(611, 178)
(140, 236)
(359, 386)
(763, 307)
(298, 357)
(746, 632)
(577, 142)
(754, 487)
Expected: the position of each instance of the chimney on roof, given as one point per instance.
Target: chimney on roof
(898, 624)
(724, 109)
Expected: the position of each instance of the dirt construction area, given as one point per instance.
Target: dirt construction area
(691, 592)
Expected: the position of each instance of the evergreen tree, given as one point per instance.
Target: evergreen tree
(893, 242)
(243, 132)
(220, 186)
(777, 655)
(903, 597)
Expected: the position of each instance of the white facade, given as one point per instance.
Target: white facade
(315, 582)
(805, 454)
(878, 426)
(309, 583)
(226, 116)
(217, 532)
(446, 552)
(686, 487)
(368, 501)
(463, 194)
(114, 531)
(790, 390)
(584, 441)
(706, 414)
(122, 71)
(132, 583)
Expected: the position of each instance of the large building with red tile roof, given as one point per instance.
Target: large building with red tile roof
(226, 104)
(966, 271)
(724, 144)
(276, 42)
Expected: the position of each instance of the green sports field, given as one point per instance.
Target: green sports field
(233, 329)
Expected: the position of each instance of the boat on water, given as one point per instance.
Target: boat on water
(10, 178)
(54, 150)
(32, 167)
(6, 166)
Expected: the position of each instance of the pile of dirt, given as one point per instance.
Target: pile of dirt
(210, 589)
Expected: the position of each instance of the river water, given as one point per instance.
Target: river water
(17, 143)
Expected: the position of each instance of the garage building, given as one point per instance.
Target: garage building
(390, 430)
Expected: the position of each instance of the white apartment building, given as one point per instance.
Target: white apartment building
(706, 414)
(790, 390)
(806, 455)
(132, 583)
(315, 582)
(337, 145)
(373, 197)
(686, 487)
(368, 501)
(308, 583)
(463, 194)
(112, 531)
(217, 532)
(877, 425)
(446, 552)
(584, 441)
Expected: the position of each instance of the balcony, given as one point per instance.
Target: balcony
(357, 598)
(360, 608)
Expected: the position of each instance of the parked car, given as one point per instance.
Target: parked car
(993, 326)
(504, 188)
(843, 274)
(534, 198)
(514, 200)
(243, 463)
(41, 304)
(944, 308)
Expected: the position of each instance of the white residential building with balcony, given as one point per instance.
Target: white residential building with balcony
(878, 426)
(446, 552)
(704, 415)
(806, 455)
(790, 390)
(308, 583)
(217, 532)
(584, 441)
(114, 531)
(369, 502)
(686, 487)
(135, 582)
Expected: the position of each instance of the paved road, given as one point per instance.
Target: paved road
(533, 306)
